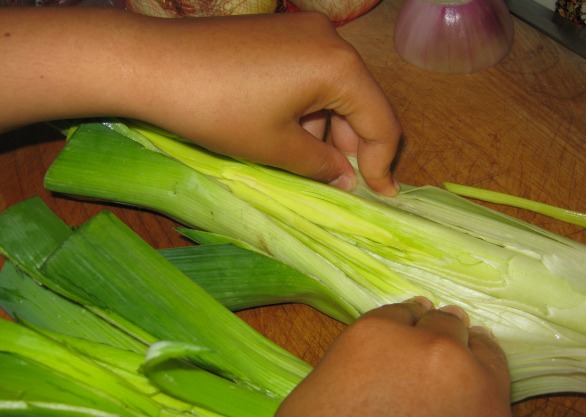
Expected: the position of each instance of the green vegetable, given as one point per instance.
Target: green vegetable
(20, 342)
(30, 388)
(245, 279)
(568, 216)
(90, 282)
(525, 284)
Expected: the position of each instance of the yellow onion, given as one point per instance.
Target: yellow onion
(197, 8)
(457, 36)
(340, 12)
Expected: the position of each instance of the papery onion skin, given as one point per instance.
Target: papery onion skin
(199, 8)
(340, 12)
(452, 36)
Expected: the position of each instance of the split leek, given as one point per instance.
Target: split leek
(167, 186)
(526, 285)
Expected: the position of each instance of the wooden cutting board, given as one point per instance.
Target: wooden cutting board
(519, 128)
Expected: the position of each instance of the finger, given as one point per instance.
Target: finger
(408, 312)
(451, 322)
(375, 155)
(488, 352)
(371, 117)
(315, 123)
(343, 136)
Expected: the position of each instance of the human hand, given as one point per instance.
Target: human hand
(255, 87)
(407, 359)
(252, 87)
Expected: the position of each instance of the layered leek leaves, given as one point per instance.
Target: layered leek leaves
(347, 252)
(116, 329)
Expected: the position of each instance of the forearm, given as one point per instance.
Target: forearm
(59, 64)
(241, 86)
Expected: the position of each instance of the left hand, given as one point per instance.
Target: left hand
(407, 360)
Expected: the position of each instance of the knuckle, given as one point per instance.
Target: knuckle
(370, 326)
(444, 354)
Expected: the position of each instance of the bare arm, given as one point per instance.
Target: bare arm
(246, 86)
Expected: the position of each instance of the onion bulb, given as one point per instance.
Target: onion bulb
(453, 36)
(340, 12)
(198, 8)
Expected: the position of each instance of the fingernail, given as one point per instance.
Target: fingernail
(481, 330)
(391, 189)
(456, 311)
(424, 301)
(344, 182)
(397, 185)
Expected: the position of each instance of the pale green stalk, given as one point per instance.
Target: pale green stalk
(568, 216)
(402, 237)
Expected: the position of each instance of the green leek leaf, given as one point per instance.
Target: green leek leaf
(104, 264)
(189, 383)
(240, 278)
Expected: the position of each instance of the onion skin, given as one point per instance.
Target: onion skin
(200, 8)
(340, 12)
(452, 36)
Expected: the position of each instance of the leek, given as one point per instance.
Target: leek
(29, 388)
(17, 340)
(109, 270)
(42, 376)
(207, 394)
(246, 279)
(181, 192)
(157, 298)
(525, 284)
(31, 232)
(568, 216)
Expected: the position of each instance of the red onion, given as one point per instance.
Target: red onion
(458, 36)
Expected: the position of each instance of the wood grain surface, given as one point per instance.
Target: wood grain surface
(519, 127)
